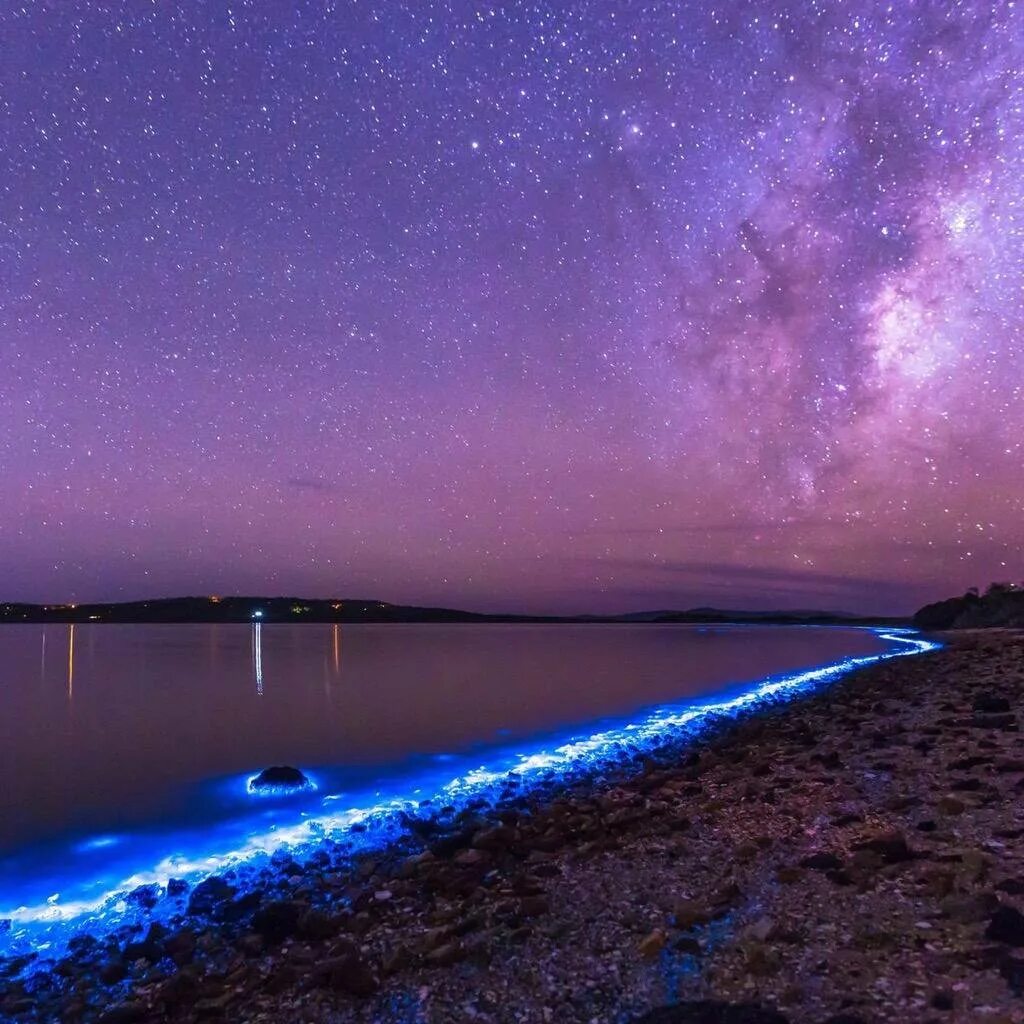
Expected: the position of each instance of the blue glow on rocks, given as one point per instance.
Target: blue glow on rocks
(261, 792)
(91, 897)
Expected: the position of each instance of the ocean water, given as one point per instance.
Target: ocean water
(126, 750)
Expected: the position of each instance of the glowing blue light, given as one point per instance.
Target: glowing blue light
(98, 904)
(261, 791)
(98, 843)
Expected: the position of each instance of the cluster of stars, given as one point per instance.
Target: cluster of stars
(541, 306)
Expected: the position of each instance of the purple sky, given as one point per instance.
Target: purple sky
(590, 306)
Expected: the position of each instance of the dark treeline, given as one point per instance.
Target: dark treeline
(1002, 604)
(302, 609)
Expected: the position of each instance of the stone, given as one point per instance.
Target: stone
(950, 805)
(712, 1012)
(1007, 926)
(127, 1012)
(316, 925)
(278, 920)
(891, 847)
(209, 894)
(687, 914)
(533, 906)
(444, 956)
(821, 862)
(1002, 723)
(969, 909)
(652, 944)
(279, 777)
(347, 973)
(181, 946)
(990, 704)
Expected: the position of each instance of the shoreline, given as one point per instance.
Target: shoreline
(688, 876)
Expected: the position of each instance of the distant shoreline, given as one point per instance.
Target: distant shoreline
(215, 609)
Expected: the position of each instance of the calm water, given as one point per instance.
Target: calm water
(106, 728)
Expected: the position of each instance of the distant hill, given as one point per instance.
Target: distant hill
(304, 609)
(1001, 605)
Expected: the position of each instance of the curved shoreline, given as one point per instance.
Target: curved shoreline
(379, 824)
(578, 869)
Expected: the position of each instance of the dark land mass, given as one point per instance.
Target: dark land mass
(1001, 606)
(304, 609)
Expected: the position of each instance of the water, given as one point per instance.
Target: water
(125, 747)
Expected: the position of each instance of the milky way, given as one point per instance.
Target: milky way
(589, 306)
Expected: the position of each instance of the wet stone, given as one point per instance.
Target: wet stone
(1006, 925)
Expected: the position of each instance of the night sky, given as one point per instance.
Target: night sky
(585, 306)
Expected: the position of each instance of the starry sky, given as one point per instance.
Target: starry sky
(529, 306)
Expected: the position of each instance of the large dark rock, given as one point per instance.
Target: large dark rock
(707, 1011)
(1006, 925)
(279, 776)
(278, 920)
(209, 894)
(990, 704)
(821, 862)
(890, 846)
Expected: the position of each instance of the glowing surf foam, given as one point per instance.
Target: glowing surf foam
(56, 918)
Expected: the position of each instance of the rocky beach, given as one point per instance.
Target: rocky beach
(853, 856)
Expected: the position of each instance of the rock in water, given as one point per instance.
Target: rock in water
(279, 776)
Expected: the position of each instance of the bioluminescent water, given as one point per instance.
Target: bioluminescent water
(139, 743)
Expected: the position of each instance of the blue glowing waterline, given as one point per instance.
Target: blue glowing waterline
(96, 903)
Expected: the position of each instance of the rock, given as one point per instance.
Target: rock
(397, 960)
(1007, 926)
(278, 920)
(150, 948)
(1003, 723)
(533, 906)
(492, 839)
(711, 1012)
(316, 925)
(651, 945)
(214, 1006)
(209, 894)
(176, 887)
(347, 973)
(990, 704)
(112, 972)
(760, 929)
(950, 805)
(890, 846)
(124, 1013)
(969, 909)
(821, 862)
(471, 858)
(1012, 970)
(942, 1001)
(687, 914)
(444, 956)
(279, 777)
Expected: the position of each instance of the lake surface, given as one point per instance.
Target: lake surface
(108, 728)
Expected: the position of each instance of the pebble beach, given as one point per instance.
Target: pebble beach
(853, 856)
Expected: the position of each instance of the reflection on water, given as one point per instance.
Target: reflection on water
(160, 710)
(71, 661)
(257, 656)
